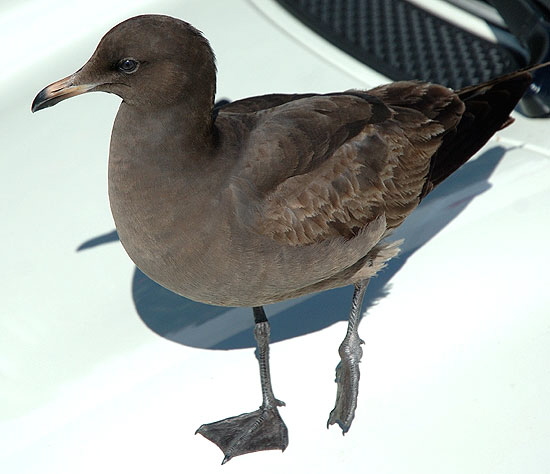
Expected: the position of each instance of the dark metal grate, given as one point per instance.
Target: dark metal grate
(403, 41)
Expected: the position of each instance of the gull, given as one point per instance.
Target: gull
(270, 197)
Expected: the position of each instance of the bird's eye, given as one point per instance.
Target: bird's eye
(127, 65)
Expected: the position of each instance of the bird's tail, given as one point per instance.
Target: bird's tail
(488, 108)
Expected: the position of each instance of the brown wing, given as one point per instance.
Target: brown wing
(333, 163)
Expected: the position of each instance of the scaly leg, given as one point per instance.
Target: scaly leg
(262, 429)
(347, 371)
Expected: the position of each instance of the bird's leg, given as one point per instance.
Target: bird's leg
(259, 430)
(347, 371)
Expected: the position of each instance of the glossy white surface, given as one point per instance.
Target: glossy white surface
(455, 374)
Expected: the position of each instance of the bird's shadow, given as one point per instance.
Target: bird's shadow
(199, 325)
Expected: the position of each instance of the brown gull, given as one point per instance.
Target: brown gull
(270, 197)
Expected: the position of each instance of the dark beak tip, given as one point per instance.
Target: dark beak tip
(40, 101)
(35, 107)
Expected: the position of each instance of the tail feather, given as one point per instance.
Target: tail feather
(488, 107)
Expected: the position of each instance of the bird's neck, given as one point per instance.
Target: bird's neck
(163, 147)
(185, 127)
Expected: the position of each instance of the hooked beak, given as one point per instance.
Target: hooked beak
(58, 91)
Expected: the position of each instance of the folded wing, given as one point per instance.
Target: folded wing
(334, 163)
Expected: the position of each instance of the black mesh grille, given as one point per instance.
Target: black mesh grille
(403, 41)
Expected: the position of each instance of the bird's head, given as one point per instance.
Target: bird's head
(148, 60)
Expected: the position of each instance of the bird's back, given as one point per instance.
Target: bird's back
(324, 166)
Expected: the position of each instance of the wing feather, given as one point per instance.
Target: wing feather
(367, 154)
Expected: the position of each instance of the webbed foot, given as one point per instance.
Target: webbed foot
(260, 430)
(347, 379)
(347, 371)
